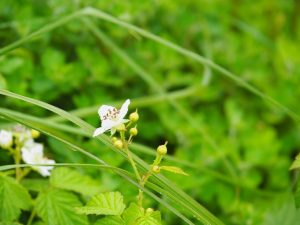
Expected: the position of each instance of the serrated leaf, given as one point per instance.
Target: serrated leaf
(56, 207)
(110, 220)
(148, 220)
(13, 198)
(69, 179)
(110, 203)
(9, 223)
(132, 214)
(296, 163)
(174, 169)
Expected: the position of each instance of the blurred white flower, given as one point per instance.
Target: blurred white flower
(21, 133)
(33, 153)
(111, 118)
(6, 139)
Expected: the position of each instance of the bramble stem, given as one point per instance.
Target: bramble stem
(17, 158)
(138, 176)
(32, 215)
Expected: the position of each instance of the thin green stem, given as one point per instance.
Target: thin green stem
(129, 156)
(17, 158)
(132, 162)
(32, 215)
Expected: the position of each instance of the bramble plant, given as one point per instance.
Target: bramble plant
(19, 142)
(230, 118)
(123, 131)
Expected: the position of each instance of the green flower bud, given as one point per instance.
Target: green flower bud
(118, 144)
(156, 169)
(162, 149)
(149, 210)
(133, 117)
(133, 131)
(121, 127)
(114, 139)
(35, 133)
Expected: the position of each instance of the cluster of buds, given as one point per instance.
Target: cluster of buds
(20, 140)
(130, 130)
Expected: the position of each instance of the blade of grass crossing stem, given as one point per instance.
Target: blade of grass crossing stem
(154, 85)
(126, 176)
(182, 198)
(136, 147)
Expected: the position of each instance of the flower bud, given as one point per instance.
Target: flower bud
(162, 149)
(6, 139)
(133, 117)
(156, 169)
(114, 139)
(118, 144)
(121, 127)
(35, 133)
(149, 210)
(133, 131)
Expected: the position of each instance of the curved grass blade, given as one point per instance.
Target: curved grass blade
(138, 148)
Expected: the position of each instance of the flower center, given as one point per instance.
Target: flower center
(111, 114)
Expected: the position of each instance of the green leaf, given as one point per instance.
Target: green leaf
(110, 203)
(297, 195)
(36, 184)
(70, 179)
(9, 223)
(296, 163)
(134, 215)
(149, 219)
(56, 207)
(110, 220)
(13, 198)
(174, 169)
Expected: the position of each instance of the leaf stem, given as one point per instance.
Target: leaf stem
(32, 215)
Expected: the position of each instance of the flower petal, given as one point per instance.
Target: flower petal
(103, 110)
(124, 109)
(98, 131)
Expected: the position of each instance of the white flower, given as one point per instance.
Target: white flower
(21, 133)
(6, 139)
(111, 118)
(33, 153)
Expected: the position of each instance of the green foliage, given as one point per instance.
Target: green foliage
(110, 203)
(69, 179)
(56, 207)
(133, 215)
(296, 163)
(110, 220)
(236, 149)
(173, 169)
(13, 198)
(137, 216)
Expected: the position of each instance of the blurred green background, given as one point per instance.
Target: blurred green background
(247, 146)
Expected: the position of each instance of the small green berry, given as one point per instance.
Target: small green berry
(118, 144)
(162, 149)
(156, 169)
(133, 117)
(133, 131)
